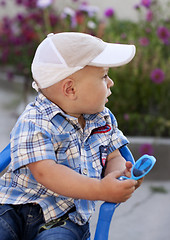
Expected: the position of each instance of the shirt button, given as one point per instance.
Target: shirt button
(85, 171)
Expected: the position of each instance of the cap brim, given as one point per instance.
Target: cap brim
(114, 55)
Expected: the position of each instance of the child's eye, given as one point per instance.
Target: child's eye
(105, 76)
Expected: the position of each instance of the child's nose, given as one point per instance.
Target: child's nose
(110, 83)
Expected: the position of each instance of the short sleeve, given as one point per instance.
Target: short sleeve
(30, 143)
(117, 137)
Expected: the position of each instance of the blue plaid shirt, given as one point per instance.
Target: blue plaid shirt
(44, 131)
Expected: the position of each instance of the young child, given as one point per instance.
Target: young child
(63, 141)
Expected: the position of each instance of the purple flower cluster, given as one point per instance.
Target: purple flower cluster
(157, 76)
(146, 3)
(153, 30)
(144, 41)
(149, 16)
(146, 148)
(137, 6)
(109, 12)
(19, 36)
(27, 3)
(2, 3)
(164, 34)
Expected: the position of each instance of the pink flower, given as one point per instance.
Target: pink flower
(19, 2)
(149, 16)
(137, 6)
(123, 36)
(164, 34)
(27, 3)
(146, 3)
(148, 30)
(2, 3)
(146, 148)
(109, 12)
(126, 117)
(157, 76)
(144, 41)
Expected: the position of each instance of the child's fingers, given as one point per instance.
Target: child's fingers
(129, 187)
(130, 183)
(127, 171)
(139, 182)
(128, 165)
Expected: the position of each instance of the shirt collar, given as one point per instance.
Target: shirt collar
(50, 110)
(99, 118)
(47, 108)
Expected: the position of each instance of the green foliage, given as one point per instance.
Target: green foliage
(140, 101)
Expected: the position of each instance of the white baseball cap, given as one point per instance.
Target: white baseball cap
(62, 54)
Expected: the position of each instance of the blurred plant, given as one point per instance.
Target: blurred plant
(159, 189)
(146, 149)
(21, 34)
(141, 95)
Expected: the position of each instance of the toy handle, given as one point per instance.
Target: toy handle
(121, 178)
(5, 158)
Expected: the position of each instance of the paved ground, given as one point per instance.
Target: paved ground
(145, 216)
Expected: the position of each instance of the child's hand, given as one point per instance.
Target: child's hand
(139, 182)
(113, 190)
(127, 173)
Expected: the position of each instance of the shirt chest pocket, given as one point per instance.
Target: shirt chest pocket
(67, 151)
(99, 144)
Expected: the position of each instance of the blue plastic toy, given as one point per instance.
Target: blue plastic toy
(5, 158)
(142, 166)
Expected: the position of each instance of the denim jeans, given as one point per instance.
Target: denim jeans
(22, 222)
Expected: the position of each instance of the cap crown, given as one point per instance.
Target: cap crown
(60, 55)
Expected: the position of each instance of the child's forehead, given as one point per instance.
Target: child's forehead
(94, 71)
(103, 69)
(99, 69)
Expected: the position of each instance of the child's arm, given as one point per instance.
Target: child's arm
(65, 181)
(116, 162)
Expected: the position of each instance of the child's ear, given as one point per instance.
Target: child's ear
(69, 89)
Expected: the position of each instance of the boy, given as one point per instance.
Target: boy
(63, 141)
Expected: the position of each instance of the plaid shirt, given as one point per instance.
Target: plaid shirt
(44, 131)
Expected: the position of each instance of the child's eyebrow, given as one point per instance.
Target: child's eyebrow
(104, 71)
